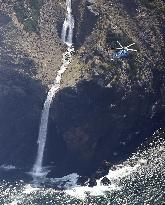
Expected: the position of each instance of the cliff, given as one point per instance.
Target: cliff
(106, 107)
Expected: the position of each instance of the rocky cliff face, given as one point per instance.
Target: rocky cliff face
(105, 108)
(108, 107)
(31, 53)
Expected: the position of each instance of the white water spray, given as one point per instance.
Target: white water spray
(68, 25)
(67, 35)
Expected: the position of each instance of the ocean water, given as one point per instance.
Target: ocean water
(137, 181)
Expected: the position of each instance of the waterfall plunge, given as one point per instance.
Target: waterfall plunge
(66, 35)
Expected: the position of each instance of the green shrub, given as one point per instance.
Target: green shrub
(29, 17)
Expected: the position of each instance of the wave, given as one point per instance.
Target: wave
(7, 167)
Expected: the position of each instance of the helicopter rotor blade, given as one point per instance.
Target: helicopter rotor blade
(131, 50)
(119, 44)
(130, 45)
(119, 48)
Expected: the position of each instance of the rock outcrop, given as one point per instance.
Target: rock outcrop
(106, 107)
(30, 55)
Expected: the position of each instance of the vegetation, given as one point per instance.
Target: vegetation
(157, 5)
(28, 14)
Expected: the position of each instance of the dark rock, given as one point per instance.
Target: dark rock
(106, 165)
(82, 180)
(103, 170)
(4, 19)
(99, 173)
(21, 100)
(82, 28)
(105, 181)
(91, 126)
(92, 182)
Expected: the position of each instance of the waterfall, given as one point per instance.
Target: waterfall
(66, 35)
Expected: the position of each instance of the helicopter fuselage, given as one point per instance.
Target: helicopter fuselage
(121, 54)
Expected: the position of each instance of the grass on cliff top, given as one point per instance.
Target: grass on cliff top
(28, 15)
(157, 5)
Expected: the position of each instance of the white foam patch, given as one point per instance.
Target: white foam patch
(114, 176)
(29, 189)
(121, 172)
(15, 202)
(7, 167)
(147, 166)
(66, 182)
(82, 191)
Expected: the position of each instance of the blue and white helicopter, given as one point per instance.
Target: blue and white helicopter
(123, 51)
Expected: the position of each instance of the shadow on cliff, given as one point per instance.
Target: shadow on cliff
(85, 22)
(21, 101)
(90, 123)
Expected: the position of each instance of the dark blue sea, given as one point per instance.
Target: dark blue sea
(140, 180)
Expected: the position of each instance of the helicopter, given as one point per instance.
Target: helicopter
(123, 51)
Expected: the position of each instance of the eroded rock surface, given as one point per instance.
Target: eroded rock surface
(106, 107)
